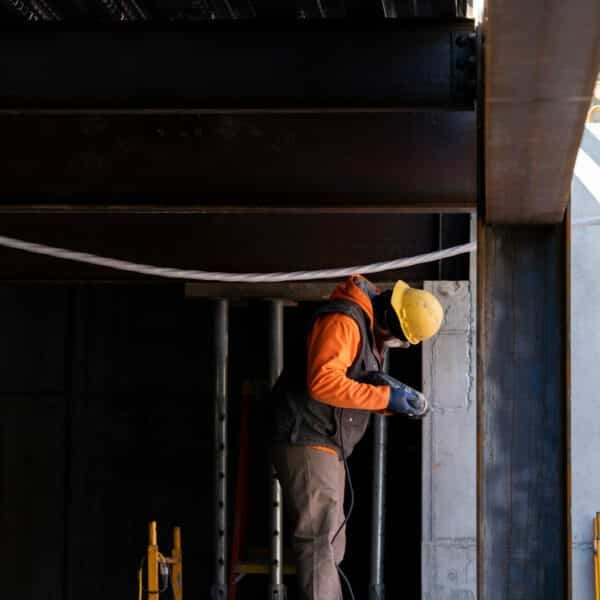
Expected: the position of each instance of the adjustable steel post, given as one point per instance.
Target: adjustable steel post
(177, 568)
(161, 567)
(152, 562)
(219, 587)
(376, 585)
(276, 586)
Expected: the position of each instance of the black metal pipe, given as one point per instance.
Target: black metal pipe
(221, 348)
(276, 587)
(376, 583)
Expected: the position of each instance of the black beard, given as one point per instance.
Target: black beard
(385, 316)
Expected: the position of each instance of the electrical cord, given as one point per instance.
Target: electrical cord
(195, 275)
(346, 581)
(350, 506)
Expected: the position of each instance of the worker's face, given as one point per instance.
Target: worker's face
(386, 325)
(389, 340)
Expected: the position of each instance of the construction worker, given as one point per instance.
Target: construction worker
(322, 407)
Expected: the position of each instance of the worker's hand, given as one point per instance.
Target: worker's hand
(418, 406)
(404, 400)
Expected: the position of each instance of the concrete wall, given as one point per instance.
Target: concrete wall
(585, 365)
(449, 451)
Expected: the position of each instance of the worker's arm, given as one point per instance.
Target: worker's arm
(333, 345)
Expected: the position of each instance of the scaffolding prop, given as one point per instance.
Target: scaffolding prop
(221, 347)
(277, 589)
(160, 569)
(376, 583)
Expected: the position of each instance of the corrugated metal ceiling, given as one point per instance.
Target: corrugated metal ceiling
(116, 11)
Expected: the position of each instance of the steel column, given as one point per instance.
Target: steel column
(376, 584)
(522, 541)
(535, 108)
(276, 586)
(221, 347)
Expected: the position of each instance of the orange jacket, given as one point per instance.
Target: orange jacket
(333, 344)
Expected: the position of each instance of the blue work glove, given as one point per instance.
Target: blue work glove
(404, 400)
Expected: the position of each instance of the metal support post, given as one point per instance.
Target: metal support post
(276, 586)
(521, 436)
(376, 585)
(219, 588)
(177, 568)
(152, 563)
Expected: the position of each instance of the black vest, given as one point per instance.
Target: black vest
(301, 420)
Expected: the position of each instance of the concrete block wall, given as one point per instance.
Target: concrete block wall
(449, 450)
(585, 362)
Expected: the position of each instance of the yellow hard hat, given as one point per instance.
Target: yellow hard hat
(419, 312)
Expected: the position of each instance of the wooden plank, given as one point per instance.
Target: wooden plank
(541, 62)
(32, 503)
(521, 419)
(33, 325)
(33, 406)
(141, 434)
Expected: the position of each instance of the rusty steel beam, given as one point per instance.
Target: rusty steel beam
(238, 65)
(541, 61)
(51, 208)
(226, 163)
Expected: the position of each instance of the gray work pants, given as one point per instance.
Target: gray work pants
(312, 483)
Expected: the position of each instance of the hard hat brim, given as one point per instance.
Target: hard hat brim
(400, 288)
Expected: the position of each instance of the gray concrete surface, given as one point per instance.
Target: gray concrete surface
(585, 363)
(449, 450)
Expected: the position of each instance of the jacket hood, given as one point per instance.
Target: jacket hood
(359, 290)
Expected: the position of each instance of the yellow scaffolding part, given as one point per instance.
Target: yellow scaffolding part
(157, 564)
